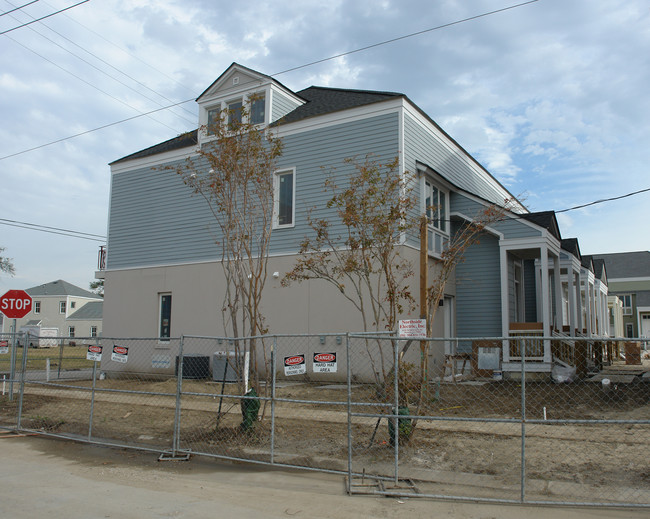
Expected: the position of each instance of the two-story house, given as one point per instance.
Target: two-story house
(162, 273)
(629, 280)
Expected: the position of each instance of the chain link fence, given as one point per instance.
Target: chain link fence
(453, 418)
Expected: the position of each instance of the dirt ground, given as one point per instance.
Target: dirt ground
(447, 454)
(68, 480)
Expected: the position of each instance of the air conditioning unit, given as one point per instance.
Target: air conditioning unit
(225, 366)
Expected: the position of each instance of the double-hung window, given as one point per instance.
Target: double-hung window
(435, 206)
(284, 198)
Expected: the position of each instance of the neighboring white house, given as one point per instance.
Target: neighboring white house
(56, 306)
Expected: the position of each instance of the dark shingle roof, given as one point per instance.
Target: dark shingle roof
(60, 288)
(183, 140)
(322, 100)
(546, 220)
(571, 245)
(89, 312)
(627, 264)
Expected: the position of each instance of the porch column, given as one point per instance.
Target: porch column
(505, 302)
(572, 300)
(558, 292)
(546, 313)
(589, 305)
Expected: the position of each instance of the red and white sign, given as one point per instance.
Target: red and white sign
(4, 347)
(16, 304)
(324, 363)
(94, 353)
(120, 354)
(295, 365)
(413, 328)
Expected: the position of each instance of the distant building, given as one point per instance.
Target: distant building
(629, 279)
(58, 305)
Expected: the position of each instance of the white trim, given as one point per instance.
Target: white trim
(154, 160)
(276, 198)
(165, 339)
(623, 280)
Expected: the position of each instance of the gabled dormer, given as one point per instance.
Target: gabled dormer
(266, 100)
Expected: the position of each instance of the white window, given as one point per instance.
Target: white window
(61, 307)
(435, 206)
(284, 198)
(93, 331)
(165, 313)
(627, 304)
(37, 307)
(70, 331)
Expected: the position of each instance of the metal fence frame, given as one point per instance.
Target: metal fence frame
(391, 483)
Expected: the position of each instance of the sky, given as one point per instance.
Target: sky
(550, 96)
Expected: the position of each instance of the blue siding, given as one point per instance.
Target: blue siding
(282, 105)
(478, 290)
(446, 159)
(512, 227)
(155, 219)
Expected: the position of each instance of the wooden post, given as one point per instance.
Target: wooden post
(424, 282)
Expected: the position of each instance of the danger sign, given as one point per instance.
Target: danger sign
(94, 353)
(120, 354)
(295, 365)
(324, 363)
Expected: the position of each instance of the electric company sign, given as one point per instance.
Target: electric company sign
(16, 304)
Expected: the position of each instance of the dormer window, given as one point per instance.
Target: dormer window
(235, 112)
(232, 112)
(258, 108)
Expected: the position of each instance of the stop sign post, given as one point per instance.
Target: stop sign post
(16, 304)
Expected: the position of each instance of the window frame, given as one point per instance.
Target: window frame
(71, 332)
(37, 307)
(276, 198)
(93, 331)
(627, 310)
(438, 225)
(63, 307)
(246, 99)
(161, 334)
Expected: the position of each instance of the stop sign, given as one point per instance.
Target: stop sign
(15, 304)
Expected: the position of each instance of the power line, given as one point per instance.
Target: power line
(105, 63)
(393, 40)
(603, 200)
(93, 130)
(90, 84)
(19, 7)
(53, 230)
(279, 73)
(43, 17)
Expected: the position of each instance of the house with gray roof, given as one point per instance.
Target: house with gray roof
(629, 279)
(163, 276)
(54, 303)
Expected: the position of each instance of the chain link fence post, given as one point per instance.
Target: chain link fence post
(179, 390)
(23, 371)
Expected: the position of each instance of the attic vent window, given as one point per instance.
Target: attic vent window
(235, 80)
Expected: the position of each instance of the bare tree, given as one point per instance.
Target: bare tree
(234, 173)
(357, 253)
(6, 264)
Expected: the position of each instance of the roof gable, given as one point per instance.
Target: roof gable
(546, 220)
(235, 78)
